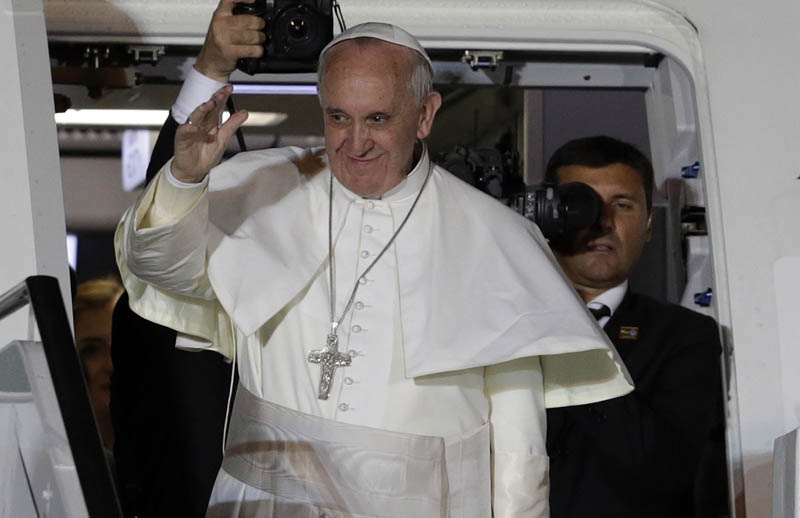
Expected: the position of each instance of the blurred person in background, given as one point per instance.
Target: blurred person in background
(92, 310)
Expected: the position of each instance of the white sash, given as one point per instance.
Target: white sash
(283, 463)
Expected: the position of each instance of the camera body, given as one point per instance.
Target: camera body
(296, 30)
(494, 172)
(557, 209)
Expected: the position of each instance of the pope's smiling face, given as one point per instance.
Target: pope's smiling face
(602, 256)
(371, 116)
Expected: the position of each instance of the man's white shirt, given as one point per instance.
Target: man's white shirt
(611, 298)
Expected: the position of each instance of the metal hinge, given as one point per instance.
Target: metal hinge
(146, 53)
(482, 58)
(96, 55)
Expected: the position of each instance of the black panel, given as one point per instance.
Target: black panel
(95, 255)
(73, 399)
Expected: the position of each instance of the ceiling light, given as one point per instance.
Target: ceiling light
(147, 118)
(129, 118)
(261, 118)
(253, 89)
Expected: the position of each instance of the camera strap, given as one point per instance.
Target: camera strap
(337, 10)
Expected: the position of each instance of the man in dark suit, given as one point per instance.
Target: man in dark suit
(638, 455)
(168, 405)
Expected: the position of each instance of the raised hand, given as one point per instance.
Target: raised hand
(200, 143)
(229, 38)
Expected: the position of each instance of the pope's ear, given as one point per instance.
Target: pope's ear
(433, 101)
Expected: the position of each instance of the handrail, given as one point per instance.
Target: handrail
(13, 299)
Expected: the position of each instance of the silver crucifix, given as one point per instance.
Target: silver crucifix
(328, 358)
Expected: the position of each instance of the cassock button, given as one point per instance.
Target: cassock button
(356, 328)
(352, 353)
(370, 205)
(364, 254)
(359, 305)
(368, 229)
(344, 407)
(348, 381)
(362, 280)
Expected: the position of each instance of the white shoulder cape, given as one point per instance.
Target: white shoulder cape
(491, 293)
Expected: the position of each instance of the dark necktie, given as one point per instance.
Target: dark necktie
(600, 312)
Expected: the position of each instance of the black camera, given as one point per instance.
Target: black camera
(559, 209)
(297, 30)
(490, 170)
(556, 209)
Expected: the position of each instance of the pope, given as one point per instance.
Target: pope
(398, 334)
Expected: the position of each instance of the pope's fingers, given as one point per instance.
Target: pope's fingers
(199, 117)
(219, 98)
(188, 127)
(235, 121)
(207, 114)
(199, 113)
(224, 91)
(189, 137)
(185, 134)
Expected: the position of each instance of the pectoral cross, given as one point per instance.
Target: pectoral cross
(328, 358)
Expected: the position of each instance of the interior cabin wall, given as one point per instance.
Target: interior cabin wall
(571, 113)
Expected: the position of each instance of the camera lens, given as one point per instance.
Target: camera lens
(298, 29)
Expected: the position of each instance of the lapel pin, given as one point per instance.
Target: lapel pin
(629, 333)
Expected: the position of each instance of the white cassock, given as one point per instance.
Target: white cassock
(460, 336)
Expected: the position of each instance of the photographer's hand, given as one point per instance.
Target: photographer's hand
(229, 38)
(200, 143)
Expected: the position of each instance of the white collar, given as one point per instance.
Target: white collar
(611, 298)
